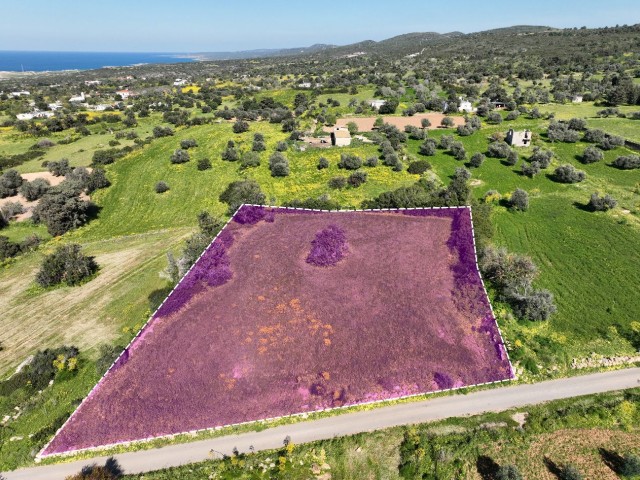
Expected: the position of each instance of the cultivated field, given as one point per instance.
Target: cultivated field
(251, 334)
(365, 124)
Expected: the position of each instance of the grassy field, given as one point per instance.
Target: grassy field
(579, 431)
(624, 127)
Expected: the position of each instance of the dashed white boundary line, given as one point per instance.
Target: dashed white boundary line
(40, 455)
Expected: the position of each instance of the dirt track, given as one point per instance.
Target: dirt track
(365, 124)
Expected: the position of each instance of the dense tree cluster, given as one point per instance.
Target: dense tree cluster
(66, 265)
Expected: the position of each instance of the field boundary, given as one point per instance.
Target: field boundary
(41, 455)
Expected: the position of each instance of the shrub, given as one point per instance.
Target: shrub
(465, 130)
(4, 222)
(458, 151)
(323, 163)
(534, 305)
(258, 143)
(329, 247)
(11, 209)
(250, 159)
(110, 471)
(446, 141)
(512, 157)
(45, 143)
(498, 149)
(78, 177)
(569, 472)
(568, 174)
(428, 148)
(371, 161)
(8, 249)
(279, 165)
(530, 169)
(60, 168)
(519, 200)
(160, 131)
(594, 135)
(592, 154)
(66, 265)
(10, 181)
(477, 160)
(602, 204)
(242, 191)
(106, 157)
(612, 141)
(349, 162)
(543, 157)
(204, 164)
(561, 132)
(630, 465)
(61, 209)
(35, 189)
(180, 156)
(628, 162)
(577, 124)
(418, 167)
(513, 115)
(240, 126)
(108, 354)
(357, 178)
(337, 183)
(282, 146)
(495, 118)
(447, 122)
(508, 472)
(230, 154)
(505, 270)
(161, 187)
(188, 143)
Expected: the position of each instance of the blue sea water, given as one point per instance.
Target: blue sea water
(16, 61)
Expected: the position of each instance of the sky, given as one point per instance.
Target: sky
(230, 25)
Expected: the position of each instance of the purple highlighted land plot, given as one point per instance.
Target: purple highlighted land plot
(292, 311)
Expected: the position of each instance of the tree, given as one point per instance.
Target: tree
(110, 471)
(512, 157)
(242, 191)
(389, 107)
(61, 168)
(476, 160)
(282, 146)
(602, 204)
(530, 169)
(630, 465)
(240, 126)
(568, 174)
(349, 161)
(180, 156)
(204, 164)
(543, 157)
(279, 165)
(10, 181)
(428, 148)
(250, 159)
(352, 127)
(458, 191)
(425, 123)
(628, 162)
(323, 163)
(66, 265)
(418, 167)
(61, 209)
(357, 178)
(337, 183)
(97, 180)
(161, 187)
(447, 122)
(508, 472)
(230, 154)
(458, 151)
(529, 304)
(519, 200)
(498, 150)
(494, 118)
(188, 143)
(592, 154)
(35, 189)
(569, 472)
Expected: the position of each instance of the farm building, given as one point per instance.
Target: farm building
(376, 103)
(577, 99)
(499, 105)
(340, 137)
(78, 98)
(466, 106)
(519, 139)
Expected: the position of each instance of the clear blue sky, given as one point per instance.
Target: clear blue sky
(227, 25)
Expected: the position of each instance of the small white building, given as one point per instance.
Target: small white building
(376, 103)
(92, 82)
(340, 137)
(466, 106)
(519, 139)
(55, 106)
(577, 99)
(78, 98)
(34, 114)
(124, 94)
(22, 93)
(179, 82)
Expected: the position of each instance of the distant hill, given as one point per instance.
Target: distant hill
(262, 53)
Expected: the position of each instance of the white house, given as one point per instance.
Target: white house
(179, 82)
(340, 137)
(34, 114)
(92, 82)
(55, 106)
(376, 103)
(79, 98)
(466, 106)
(519, 139)
(19, 94)
(577, 99)
(124, 93)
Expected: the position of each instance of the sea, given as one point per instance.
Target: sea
(28, 61)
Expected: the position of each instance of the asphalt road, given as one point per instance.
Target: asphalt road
(494, 400)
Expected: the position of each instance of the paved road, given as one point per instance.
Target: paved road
(347, 424)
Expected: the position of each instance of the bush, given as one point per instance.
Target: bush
(513, 115)
(159, 132)
(337, 183)
(601, 204)
(282, 146)
(512, 157)
(519, 200)
(323, 163)
(161, 187)
(11, 209)
(418, 167)
(477, 160)
(188, 143)
(569, 472)
(349, 162)
(204, 164)
(577, 124)
(371, 161)
(61, 209)
(242, 191)
(630, 465)
(66, 265)
(250, 159)
(447, 122)
(108, 355)
(180, 156)
(458, 151)
(428, 148)
(543, 157)
(45, 143)
(35, 189)
(628, 162)
(594, 136)
(110, 471)
(592, 154)
(498, 150)
(10, 181)
(357, 178)
(61, 168)
(495, 118)
(568, 174)
(446, 141)
(561, 132)
(530, 169)
(279, 165)
(533, 305)
(230, 154)
(612, 141)
(465, 130)
(240, 126)
(106, 157)
(508, 472)
(8, 249)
